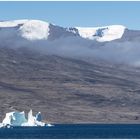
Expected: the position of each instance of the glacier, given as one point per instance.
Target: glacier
(18, 119)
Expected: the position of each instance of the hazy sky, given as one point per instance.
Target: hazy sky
(75, 13)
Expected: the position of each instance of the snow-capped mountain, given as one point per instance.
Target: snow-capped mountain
(41, 64)
(40, 30)
(32, 30)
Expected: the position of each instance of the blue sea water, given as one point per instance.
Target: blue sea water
(73, 131)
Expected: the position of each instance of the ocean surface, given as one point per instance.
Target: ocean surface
(73, 131)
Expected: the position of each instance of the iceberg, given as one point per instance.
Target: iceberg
(38, 116)
(19, 119)
(14, 118)
(33, 121)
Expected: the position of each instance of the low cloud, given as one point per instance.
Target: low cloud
(127, 52)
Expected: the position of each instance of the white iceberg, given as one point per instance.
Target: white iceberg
(19, 119)
(33, 121)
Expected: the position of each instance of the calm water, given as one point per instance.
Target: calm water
(70, 131)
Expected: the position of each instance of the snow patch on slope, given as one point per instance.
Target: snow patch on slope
(101, 34)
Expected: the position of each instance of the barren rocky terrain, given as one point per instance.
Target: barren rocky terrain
(68, 90)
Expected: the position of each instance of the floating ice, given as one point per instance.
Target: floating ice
(14, 118)
(19, 119)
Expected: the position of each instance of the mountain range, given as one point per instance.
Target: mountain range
(71, 75)
(38, 30)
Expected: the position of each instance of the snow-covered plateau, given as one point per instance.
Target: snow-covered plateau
(19, 119)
